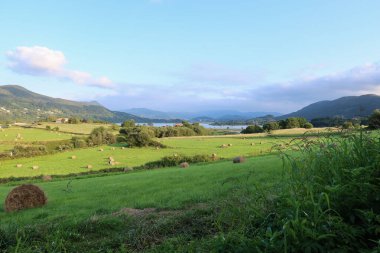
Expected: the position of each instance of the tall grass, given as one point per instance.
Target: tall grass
(329, 201)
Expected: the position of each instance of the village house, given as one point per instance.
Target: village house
(62, 120)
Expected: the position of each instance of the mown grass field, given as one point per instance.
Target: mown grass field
(168, 188)
(82, 128)
(61, 163)
(19, 134)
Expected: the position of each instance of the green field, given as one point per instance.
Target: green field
(19, 134)
(82, 128)
(61, 163)
(169, 188)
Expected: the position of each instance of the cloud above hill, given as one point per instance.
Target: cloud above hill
(42, 61)
(208, 88)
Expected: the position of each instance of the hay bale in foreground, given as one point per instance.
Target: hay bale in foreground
(35, 167)
(18, 165)
(184, 165)
(73, 157)
(239, 159)
(47, 178)
(89, 166)
(24, 196)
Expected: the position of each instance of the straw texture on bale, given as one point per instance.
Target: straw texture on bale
(184, 165)
(25, 196)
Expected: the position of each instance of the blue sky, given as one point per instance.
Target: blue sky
(192, 55)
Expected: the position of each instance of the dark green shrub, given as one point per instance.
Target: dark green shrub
(79, 142)
(100, 136)
(29, 150)
(253, 129)
(374, 120)
(308, 125)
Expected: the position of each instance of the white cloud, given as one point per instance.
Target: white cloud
(231, 90)
(42, 61)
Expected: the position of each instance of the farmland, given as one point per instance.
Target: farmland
(214, 204)
(61, 163)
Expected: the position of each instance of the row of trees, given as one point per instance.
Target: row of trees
(143, 135)
(288, 123)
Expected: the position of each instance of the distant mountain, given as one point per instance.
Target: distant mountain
(345, 107)
(148, 113)
(217, 115)
(18, 103)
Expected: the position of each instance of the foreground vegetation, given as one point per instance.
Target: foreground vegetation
(323, 199)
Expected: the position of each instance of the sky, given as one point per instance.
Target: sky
(192, 55)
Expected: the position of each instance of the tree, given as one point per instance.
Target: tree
(74, 120)
(374, 120)
(308, 125)
(253, 129)
(101, 136)
(128, 123)
(270, 126)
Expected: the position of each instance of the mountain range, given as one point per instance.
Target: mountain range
(205, 116)
(344, 107)
(18, 103)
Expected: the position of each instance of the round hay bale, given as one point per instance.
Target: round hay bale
(252, 144)
(230, 145)
(35, 167)
(89, 166)
(18, 165)
(113, 148)
(73, 157)
(112, 163)
(239, 159)
(122, 147)
(224, 146)
(184, 165)
(24, 196)
(111, 158)
(47, 178)
(101, 150)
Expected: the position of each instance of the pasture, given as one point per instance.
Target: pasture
(62, 163)
(167, 188)
(82, 128)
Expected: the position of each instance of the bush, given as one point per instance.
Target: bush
(79, 142)
(253, 129)
(374, 120)
(270, 126)
(29, 150)
(100, 136)
(308, 125)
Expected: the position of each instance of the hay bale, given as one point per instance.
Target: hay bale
(261, 142)
(224, 146)
(112, 163)
(230, 145)
(18, 165)
(73, 157)
(35, 167)
(239, 159)
(184, 165)
(101, 150)
(113, 148)
(252, 144)
(24, 196)
(89, 166)
(111, 158)
(46, 178)
(122, 147)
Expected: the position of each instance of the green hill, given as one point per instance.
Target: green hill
(18, 103)
(346, 107)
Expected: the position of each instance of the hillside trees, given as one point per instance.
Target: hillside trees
(374, 120)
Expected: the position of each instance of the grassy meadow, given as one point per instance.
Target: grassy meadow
(315, 199)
